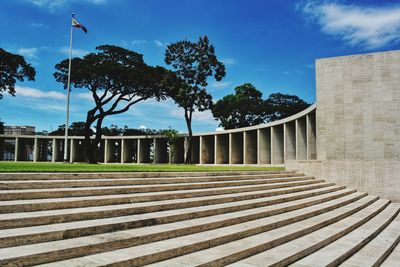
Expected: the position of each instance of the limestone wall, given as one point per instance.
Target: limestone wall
(358, 107)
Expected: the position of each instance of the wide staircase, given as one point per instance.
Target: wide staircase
(191, 219)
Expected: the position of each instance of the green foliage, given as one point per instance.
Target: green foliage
(282, 106)
(75, 129)
(117, 78)
(12, 68)
(244, 108)
(193, 63)
(171, 134)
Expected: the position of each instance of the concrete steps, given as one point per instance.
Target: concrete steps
(257, 219)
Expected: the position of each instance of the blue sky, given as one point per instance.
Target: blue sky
(272, 44)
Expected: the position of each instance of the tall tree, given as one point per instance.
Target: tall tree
(283, 105)
(12, 68)
(117, 79)
(244, 108)
(193, 63)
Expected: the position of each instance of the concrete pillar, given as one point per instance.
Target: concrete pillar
(160, 150)
(143, 155)
(221, 149)
(311, 137)
(177, 151)
(289, 142)
(264, 146)
(35, 150)
(16, 149)
(236, 148)
(131, 150)
(74, 150)
(127, 150)
(277, 149)
(55, 150)
(122, 151)
(207, 143)
(301, 139)
(107, 152)
(250, 147)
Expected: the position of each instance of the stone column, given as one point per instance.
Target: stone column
(16, 149)
(222, 148)
(236, 148)
(106, 151)
(35, 150)
(277, 148)
(143, 151)
(73, 150)
(264, 146)
(289, 141)
(160, 150)
(122, 150)
(207, 149)
(54, 154)
(311, 137)
(301, 139)
(250, 147)
(177, 151)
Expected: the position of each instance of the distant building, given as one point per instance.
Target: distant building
(19, 130)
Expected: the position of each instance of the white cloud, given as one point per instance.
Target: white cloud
(38, 25)
(158, 43)
(221, 85)
(367, 27)
(52, 5)
(229, 61)
(36, 93)
(75, 52)
(85, 96)
(142, 127)
(204, 116)
(28, 52)
(138, 42)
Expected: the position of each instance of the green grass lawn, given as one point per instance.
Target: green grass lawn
(83, 167)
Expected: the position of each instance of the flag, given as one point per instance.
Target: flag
(76, 24)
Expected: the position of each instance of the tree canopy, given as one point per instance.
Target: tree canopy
(78, 129)
(117, 79)
(13, 68)
(246, 107)
(283, 105)
(193, 63)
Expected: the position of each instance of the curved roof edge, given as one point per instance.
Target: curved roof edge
(264, 125)
(255, 127)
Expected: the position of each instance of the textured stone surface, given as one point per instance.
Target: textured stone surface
(358, 107)
(377, 177)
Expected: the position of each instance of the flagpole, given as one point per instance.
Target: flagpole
(68, 95)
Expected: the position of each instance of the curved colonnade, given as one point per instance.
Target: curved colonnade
(292, 138)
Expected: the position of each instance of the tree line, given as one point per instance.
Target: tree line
(118, 78)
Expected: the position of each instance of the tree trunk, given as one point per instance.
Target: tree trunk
(188, 118)
(91, 145)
